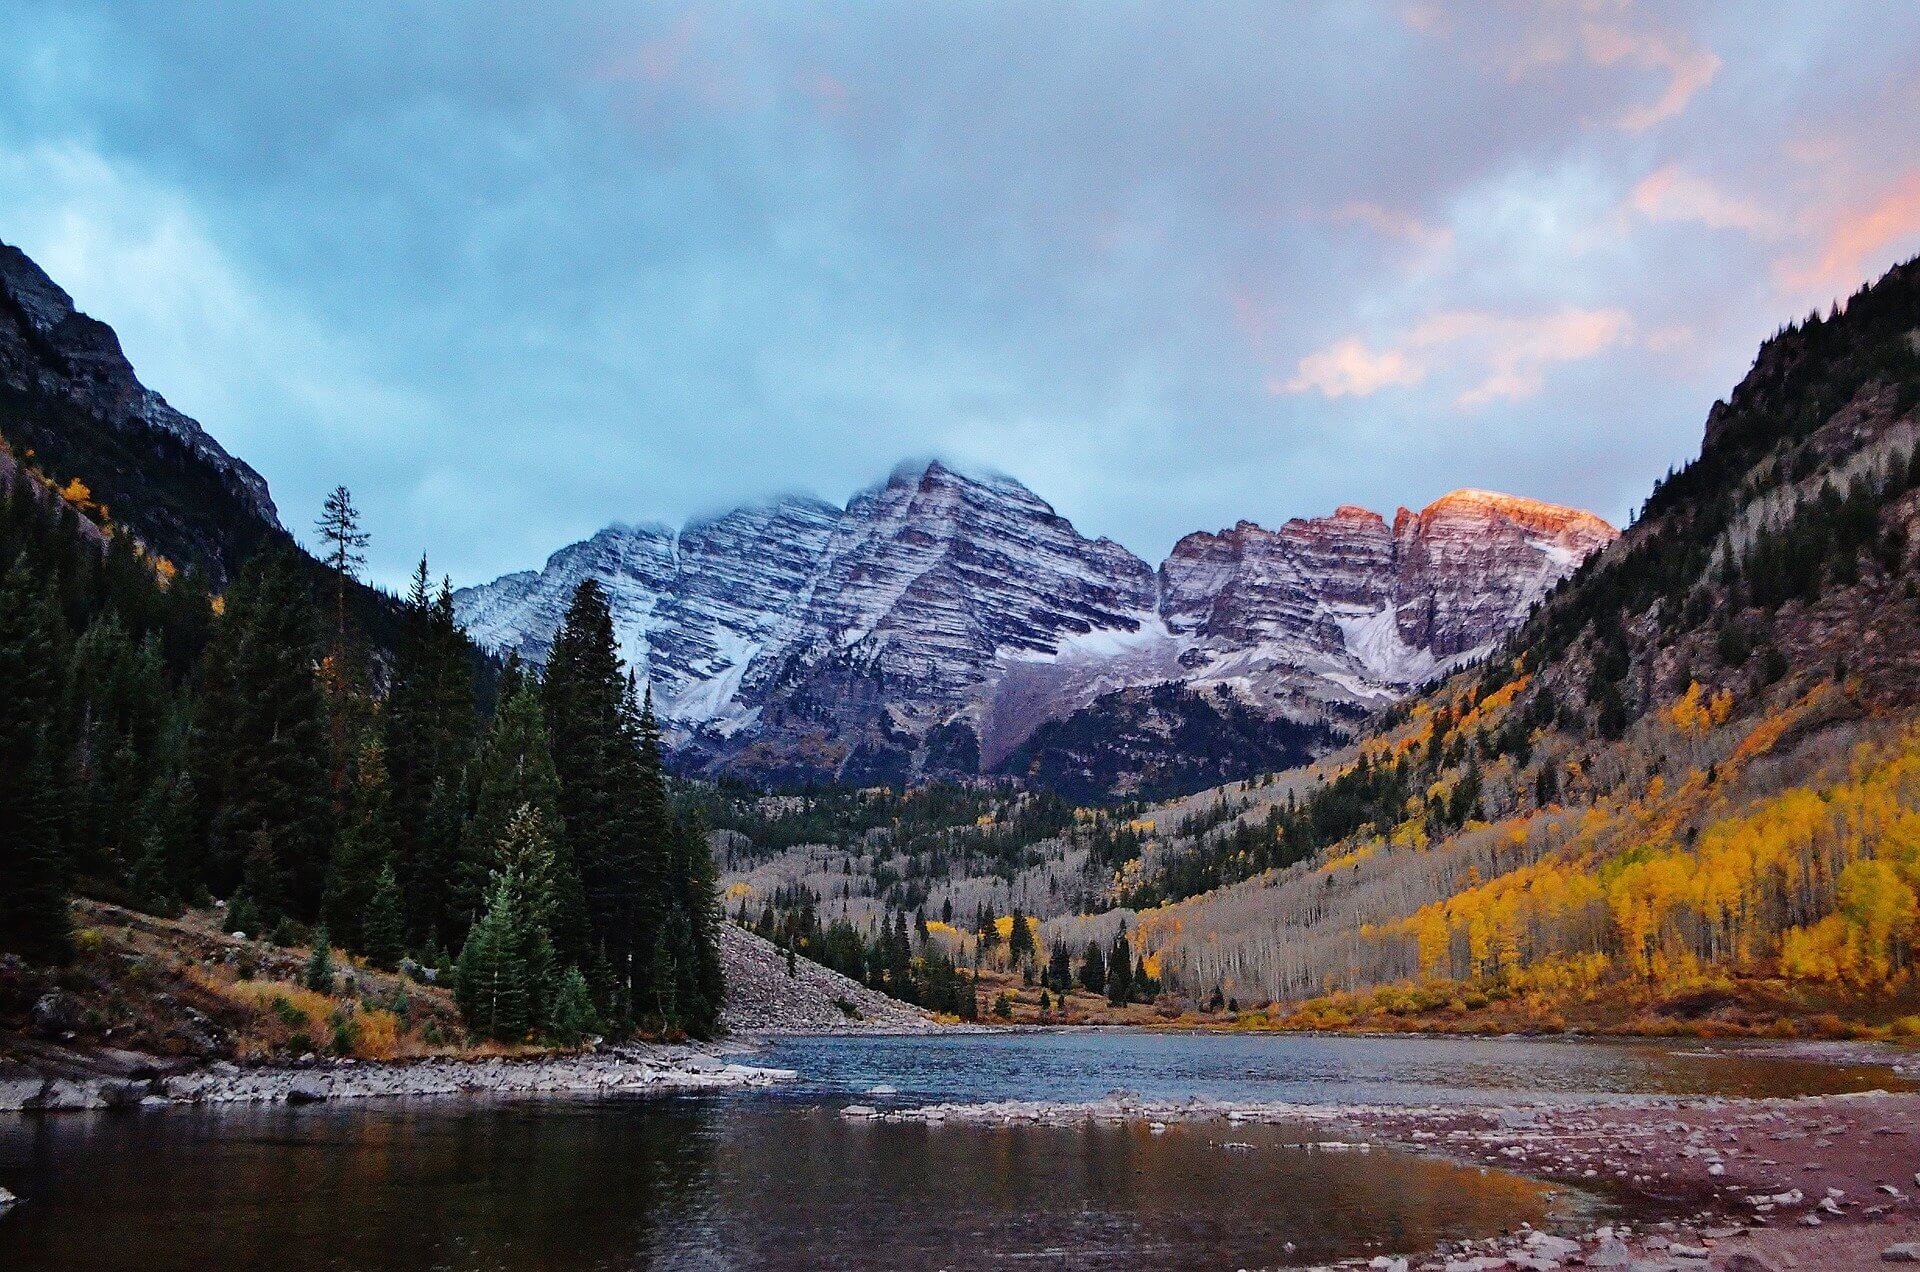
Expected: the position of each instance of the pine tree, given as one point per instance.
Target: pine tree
(1060, 970)
(384, 930)
(1120, 971)
(431, 721)
(1020, 940)
(343, 549)
(613, 808)
(363, 851)
(573, 1014)
(263, 729)
(490, 982)
(1093, 970)
(33, 907)
(319, 971)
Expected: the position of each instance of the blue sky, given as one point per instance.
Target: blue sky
(515, 271)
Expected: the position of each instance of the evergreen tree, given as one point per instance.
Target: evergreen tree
(1020, 939)
(612, 806)
(431, 719)
(33, 908)
(1093, 970)
(343, 545)
(319, 972)
(384, 930)
(364, 850)
(1060, 970)
(1120, 971)
(573, 1014)
(263, 736)
(513, 772)
(490, 982)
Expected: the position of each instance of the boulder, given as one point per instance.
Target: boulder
(1903, 1252)
(306, 1090)
(1613, 1253)
(1750, 1261)
(57, 1014)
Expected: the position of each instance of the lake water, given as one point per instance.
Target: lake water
(780, 1180)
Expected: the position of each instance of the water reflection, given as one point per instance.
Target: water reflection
(782, 1181)
(720, 1183)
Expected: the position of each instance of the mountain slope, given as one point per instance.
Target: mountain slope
(941, 619)
(1689, 784)
(70, 400)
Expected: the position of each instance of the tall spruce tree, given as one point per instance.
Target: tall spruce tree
(513, 772)
(363, 851)
(614, 818)
(263, 728)
(431, 723)
(1120, 971)
(33, 906)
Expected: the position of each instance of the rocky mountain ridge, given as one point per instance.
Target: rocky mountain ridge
(72, 404)
(49, 345)
(940, 618)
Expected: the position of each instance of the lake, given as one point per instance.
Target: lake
(780, 1180)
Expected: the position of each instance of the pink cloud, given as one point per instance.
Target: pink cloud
(1674, 195)
(1392, 223)
(1349, 368)
(1501, 356)
(1598, 33)
(1855, 244)
(1688, 67)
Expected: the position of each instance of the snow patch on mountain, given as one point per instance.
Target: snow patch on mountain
(843, 636)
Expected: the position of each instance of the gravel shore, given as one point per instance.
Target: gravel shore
(627, 1068)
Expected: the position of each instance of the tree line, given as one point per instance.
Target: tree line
(163, 745)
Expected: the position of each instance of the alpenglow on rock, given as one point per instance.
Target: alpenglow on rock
(940, 618)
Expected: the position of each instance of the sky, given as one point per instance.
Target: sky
(512, 272)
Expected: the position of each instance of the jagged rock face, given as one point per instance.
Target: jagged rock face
(939, 619)
(1470, 566)
(1347, 610)
(691, 609)
(50, 350)
(932, 577)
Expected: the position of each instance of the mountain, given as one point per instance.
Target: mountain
(1685, 793)
(75, 414)
(1681, 796)
(70, 399)
(941, 619)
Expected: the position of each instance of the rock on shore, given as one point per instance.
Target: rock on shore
(631, 1068)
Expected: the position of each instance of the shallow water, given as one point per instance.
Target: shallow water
(757, 1179)
(1307, 1068)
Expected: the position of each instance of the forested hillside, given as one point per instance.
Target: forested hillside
(1689, 786)
(199, 714)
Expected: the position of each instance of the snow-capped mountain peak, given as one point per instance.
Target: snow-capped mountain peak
(943, 614)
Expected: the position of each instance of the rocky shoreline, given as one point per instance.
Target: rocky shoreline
(125, 1080)
(1817, 1182)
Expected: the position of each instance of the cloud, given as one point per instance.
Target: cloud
(1672, 194)
(1555, 36)
(1860, 240)
(1392, 223)
(1688, 67)
(1501, 356)
(1348, 367)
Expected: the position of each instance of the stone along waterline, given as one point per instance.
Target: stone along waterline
(780, 1178)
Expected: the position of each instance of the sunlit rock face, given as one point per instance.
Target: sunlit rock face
(941, 617)
(1347, 610)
